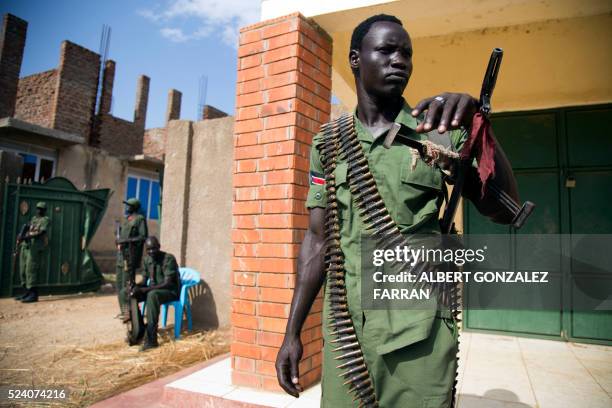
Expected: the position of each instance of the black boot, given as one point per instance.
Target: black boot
(150, 338)
(23, 295)
(31, 297)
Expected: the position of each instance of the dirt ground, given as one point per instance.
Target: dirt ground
(74, 342)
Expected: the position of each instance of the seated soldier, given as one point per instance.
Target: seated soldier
(162, 283)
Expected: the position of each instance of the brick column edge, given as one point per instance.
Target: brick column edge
(283, 97)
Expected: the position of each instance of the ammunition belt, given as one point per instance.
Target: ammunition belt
(340, 142)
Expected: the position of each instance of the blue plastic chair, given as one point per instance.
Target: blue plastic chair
(189, 277)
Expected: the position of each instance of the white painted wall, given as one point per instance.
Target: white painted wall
(276, 8)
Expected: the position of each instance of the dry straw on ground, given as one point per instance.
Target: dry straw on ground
(99, 372)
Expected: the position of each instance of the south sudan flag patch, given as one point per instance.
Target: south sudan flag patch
(317, 179)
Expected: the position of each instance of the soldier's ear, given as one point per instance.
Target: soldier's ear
(354, 60)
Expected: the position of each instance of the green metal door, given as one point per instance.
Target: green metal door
(589, 204)
(549, 150)
(74, 217)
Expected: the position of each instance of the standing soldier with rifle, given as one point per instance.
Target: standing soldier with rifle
(388, 358)
(130, 238)
(32, 243)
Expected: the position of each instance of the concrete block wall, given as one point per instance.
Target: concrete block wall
(12, 42)
(283, 97)
(197, 210)
(77, 86)
(92, 168)
(35, 98)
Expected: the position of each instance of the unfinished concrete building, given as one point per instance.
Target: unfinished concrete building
(49, 119)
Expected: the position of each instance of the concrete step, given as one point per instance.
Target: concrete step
(212, 387)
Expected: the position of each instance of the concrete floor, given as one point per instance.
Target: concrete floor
(495, 372)
(512, 372)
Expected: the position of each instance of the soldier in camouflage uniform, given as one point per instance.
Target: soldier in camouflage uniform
(163, 284)
(33, 249)
(134, 226)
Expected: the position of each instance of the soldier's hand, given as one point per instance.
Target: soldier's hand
(140, 290)
(287, 365)
(446, 111)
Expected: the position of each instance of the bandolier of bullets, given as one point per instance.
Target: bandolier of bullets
(340, 142)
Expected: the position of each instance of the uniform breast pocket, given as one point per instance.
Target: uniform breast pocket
(419, 193)
(343, 192)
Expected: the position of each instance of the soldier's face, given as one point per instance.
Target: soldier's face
(153, 251)
(383, 65)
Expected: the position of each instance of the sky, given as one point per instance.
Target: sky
(173, 42)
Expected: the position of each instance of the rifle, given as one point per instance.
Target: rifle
(21, 236)
(462, 166)
(135, 323)
(520, 213)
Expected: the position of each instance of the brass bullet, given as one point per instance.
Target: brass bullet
(350, 354)
(339, 315)
(358, 377)
(354, 361)
(343, 331)
(361, 384)
(347, 347)
(340, 323)
(354, 370)
(345, 338)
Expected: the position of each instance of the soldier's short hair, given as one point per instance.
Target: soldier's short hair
(362, 28)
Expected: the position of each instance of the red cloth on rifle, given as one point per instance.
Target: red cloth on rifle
(481, 145)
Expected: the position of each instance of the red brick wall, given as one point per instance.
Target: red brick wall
(76, 93)
(283, 96)
(12, 41)
(154, 144)
(35, 98)
(119, 136)
(210, 112)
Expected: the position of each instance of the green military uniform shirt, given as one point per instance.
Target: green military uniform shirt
(33, 251)
(156, 272)
(134, 226)
(413, 198)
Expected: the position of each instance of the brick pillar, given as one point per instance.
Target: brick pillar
(77, 86)
(108, 79)
(283, 97)
(210, 112)
(173, 109)
(12, 42)
(142, 99)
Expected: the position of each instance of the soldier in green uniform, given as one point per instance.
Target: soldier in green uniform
(32, 252)
(410, 355)
(134, 226)
(163, 284)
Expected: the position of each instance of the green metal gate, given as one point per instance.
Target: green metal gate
(562, 159)
(74, 218)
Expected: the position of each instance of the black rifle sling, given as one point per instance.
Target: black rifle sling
(340, 142)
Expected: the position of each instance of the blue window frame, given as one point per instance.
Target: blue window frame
(148, 192)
